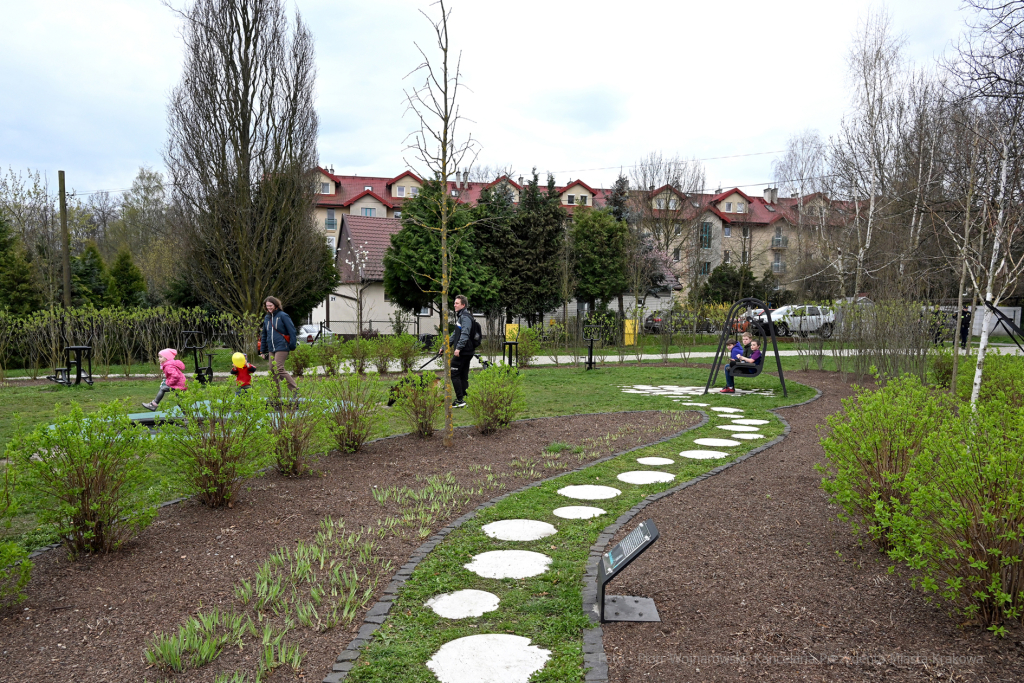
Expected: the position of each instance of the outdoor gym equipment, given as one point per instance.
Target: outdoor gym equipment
(62, 375)
(591, 334)
(196, 343)
(757, 331)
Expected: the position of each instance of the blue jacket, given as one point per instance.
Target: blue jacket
(272, 332)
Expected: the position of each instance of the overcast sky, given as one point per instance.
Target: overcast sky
(579, 89)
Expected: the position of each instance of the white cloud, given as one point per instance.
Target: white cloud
(563, 86)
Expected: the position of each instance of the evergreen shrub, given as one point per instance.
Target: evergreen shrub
(223, 440)
(421, 402)
(87, 476)
(354, 409)
(496, 397)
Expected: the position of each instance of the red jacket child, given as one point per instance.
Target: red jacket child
(244, 371)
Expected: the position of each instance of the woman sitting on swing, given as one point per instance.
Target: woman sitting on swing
(739, 362)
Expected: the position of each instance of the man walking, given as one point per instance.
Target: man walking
(965, 326)
(462, 345)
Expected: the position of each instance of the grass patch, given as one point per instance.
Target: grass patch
(546, 608)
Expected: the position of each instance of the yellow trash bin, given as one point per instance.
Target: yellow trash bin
(630, 332)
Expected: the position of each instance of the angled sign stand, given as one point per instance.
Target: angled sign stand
(626, 607)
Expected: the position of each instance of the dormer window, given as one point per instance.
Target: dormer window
(401, 191)
(659, 203)
(728, 207)
(673, 204)
(368, 188)
(571, 199)
(455, 193)
(325, 188)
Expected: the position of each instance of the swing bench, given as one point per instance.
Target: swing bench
(746, 370)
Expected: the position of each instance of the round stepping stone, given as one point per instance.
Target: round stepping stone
(577, 512)
(589, 492)
(748, 437)
(646, 477)
(717, 443)
(519, 530)
(728, 410)
(508, 564)
(747, 421)
(704, 455)
(690, 403)
(488, 658)
(463, 604)
(737, 428)
(655, 461)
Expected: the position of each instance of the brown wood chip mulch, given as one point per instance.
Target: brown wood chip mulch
(90, 620)
(755, 579)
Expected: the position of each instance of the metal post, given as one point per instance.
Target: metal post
(65, 240)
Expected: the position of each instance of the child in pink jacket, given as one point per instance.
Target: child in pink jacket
(174, 377)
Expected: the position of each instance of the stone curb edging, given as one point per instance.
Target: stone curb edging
(594, 657)
(375, 617)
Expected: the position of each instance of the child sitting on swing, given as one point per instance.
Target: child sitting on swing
(736, 356)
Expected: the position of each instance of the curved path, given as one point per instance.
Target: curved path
(755, 579)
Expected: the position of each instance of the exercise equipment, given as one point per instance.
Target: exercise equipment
(757, 332)
(195, 342)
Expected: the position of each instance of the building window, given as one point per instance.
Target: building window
(659, 203)
(726, 257)
(673, 204)
(678, 229)
(571, 199)
(583, 200)
(368, 211)
(727, 230)
(425, 312)
(330, 223)
(746, 232)
(778, 231)
(414, 191)
(387, 297)
(330, 243)
(705, 235)
(777, 259)
(325, 188)
(401, 190)
(675, 255)
(743, 257)
(705, 268)
(398, 214)
(368, 187)
(740, 207)
(728, 207)
(455, 193)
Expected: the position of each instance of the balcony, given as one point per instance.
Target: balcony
(331, 223)
(779, 267)
(780, 243)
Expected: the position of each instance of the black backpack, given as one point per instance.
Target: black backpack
(476, 335)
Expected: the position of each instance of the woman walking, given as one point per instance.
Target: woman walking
(277, 338)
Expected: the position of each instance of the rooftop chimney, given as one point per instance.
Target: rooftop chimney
(520, 181)
(465, 178)
(652, 188)
(768, 195)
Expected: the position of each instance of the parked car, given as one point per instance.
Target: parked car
(806, 320)
(307, 334)
(780, 319)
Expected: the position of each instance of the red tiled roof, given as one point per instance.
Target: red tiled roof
(581, 184)
(371, 193)
(402, 175)
(364, 241)
(498, 180)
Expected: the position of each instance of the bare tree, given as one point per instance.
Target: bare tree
(437, 147)
(864, 151)
(241, 148)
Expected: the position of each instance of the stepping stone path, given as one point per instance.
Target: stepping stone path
(748, 437)
(642, 477)
(508, 564)
(577, 512)
(727, 410)
(745, 421)
(519, 530)
(717, 443)
(463, 604)
(689, 403)
(589, 492)
(737, 428)
(684, 391)
(488, 658)
(703, 455)
(655, 461)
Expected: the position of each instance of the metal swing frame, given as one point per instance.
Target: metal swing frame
(720, 354)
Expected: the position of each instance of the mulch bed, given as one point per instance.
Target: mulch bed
(755, 579)
(90, 620)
